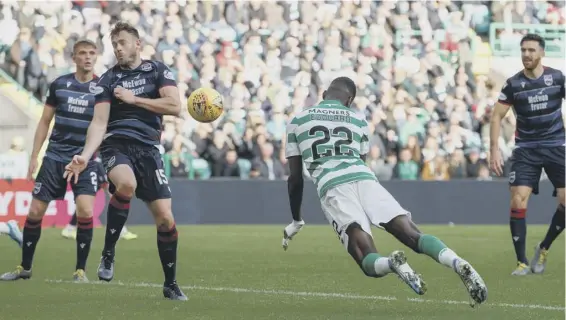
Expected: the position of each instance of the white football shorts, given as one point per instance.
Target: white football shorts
(364, 202)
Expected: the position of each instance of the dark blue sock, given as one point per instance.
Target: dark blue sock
(167, 247)
(73, 221)
(118, 210)
(84, 239)
(32, 233)
(555, 229)
(518, 226)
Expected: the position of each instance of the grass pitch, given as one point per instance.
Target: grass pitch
(241, 272)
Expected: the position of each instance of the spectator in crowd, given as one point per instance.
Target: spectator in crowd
(178, 169)
(269, 59)
(382, 169)
(436, 169)
(230, 167)
(266, 166)
(407, 168)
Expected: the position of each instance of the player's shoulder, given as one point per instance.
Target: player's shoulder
(301, 117)
(514, 78)
(108, 74)
(152, 65)
(549, 71)
(62, 79)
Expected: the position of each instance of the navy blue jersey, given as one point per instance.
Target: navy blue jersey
(130, 121)
(537, 103)
(74, 107)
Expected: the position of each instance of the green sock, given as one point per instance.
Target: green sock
(431, 246)
(374, 265)
(368, 264)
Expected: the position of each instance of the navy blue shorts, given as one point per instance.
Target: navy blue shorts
(50, 184)
(102, 177)
(145, 161)
(527, 165)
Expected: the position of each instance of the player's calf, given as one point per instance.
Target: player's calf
(31, 235)
(408, 233)
(85, 204)
(32, 231)
(124, 182)
(167, 239)
(118, 210)
(518, 226)
(362, 249)
(557, 225)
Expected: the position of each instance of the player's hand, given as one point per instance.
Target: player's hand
(125, 95)
(496, 162)
(290, 231)
(32, 167)
(74, 168)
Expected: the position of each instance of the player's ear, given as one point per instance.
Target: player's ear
(138, 43)
(350, 101)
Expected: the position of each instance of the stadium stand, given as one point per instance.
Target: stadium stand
(422, 70)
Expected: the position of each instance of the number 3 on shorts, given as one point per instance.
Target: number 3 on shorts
(161, 177)
(94, 181)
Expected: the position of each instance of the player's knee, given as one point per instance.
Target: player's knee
(560, 195)
(519, 199)
(126, 189)
(85, 212)
(164, 221)
(36, 210)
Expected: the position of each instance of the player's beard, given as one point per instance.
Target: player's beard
(531, 64)
(127, 60)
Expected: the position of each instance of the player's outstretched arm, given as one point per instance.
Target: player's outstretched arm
(499, 112)
(96, 129)
(94, 137)
(295, 184)
(168, 104)
(40, 136)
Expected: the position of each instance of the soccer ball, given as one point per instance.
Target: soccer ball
(205, 105)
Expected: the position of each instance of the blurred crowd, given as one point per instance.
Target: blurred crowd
(412, 62)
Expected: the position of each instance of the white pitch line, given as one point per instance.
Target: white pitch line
(311, 294)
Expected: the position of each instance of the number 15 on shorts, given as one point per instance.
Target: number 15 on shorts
(161, 177)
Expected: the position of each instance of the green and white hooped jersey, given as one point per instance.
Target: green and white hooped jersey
(330, 138)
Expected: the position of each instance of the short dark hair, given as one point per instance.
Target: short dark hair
(84, 42)
(344, 83)
(124, 26)
(534, 37)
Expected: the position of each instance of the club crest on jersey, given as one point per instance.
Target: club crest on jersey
(110, 163)
(146, 67)
(168, 75)
(119, 75)
(548, 79)
(94, 89)
(511, 176)
(37, 188)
